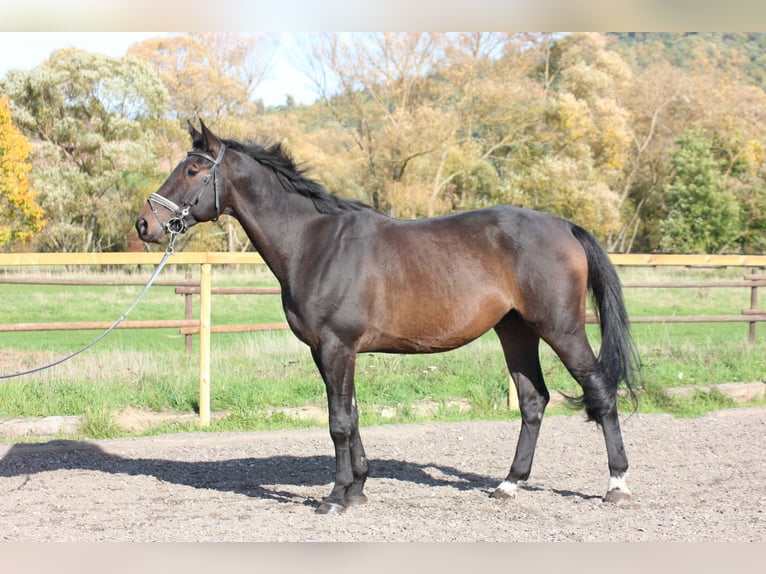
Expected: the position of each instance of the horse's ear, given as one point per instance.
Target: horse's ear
(196, 136)
(211, 143)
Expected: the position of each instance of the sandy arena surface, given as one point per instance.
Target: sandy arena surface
(692, 480)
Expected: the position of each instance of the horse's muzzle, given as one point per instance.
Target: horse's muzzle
(145, 234)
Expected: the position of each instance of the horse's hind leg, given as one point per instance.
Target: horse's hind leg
(520, 345)
(600, 402)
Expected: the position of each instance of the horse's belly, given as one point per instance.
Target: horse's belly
(429, 326)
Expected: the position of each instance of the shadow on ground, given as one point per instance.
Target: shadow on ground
(255, 477)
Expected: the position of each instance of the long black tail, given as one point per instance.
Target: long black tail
(618, 359)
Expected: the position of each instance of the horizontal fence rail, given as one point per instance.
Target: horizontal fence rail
(217, 258)
(203, 328)
(91, 325)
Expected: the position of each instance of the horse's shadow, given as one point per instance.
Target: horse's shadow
(255, 477)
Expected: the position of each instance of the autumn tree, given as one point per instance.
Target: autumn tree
(572, 161)
(94, 164)
(656, 102)
(486, 80)
(212, 76)
(378, 86)
(20, 215)
(734, 114)
(684, 81)
(565, 123)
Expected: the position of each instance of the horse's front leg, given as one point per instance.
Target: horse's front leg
(336, 364)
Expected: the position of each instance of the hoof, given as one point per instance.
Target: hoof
(356, 500)
(504, 491)
(617, 496)
(330, 508)
(500, 495)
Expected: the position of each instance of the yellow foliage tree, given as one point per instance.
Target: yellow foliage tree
(20, 215)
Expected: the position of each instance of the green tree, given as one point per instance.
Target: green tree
(92, 116)
(20, 215)
(703, 215)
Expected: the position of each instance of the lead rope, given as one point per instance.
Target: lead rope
(168, 252)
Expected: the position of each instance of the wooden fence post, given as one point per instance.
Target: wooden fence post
(513, 396)
(753, 307)
(188, 311)
(188, 314)
(204, 344)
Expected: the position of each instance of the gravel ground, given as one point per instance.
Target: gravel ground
(692, 480)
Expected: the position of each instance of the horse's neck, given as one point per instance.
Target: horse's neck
(276, 225)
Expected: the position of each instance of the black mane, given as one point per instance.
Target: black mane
(278, 159)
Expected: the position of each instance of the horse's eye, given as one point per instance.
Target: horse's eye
(191, 171)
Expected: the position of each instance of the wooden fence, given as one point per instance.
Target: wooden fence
(203, 327)
(204, 260)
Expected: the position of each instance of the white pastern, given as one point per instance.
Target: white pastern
(618, 483)
(508, 488)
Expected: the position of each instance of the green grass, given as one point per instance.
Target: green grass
(252, 372)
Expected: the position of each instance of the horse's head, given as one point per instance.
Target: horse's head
(190, 194)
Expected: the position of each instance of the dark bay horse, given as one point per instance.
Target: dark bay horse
(354, 280)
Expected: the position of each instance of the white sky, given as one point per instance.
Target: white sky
(25, 50)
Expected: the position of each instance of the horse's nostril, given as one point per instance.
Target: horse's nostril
(141, 226)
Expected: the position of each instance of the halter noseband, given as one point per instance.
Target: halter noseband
(177, 224)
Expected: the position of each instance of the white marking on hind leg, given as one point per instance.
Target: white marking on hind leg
(618, 483)
(508, 488)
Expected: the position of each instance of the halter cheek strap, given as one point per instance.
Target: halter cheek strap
(177, 224)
